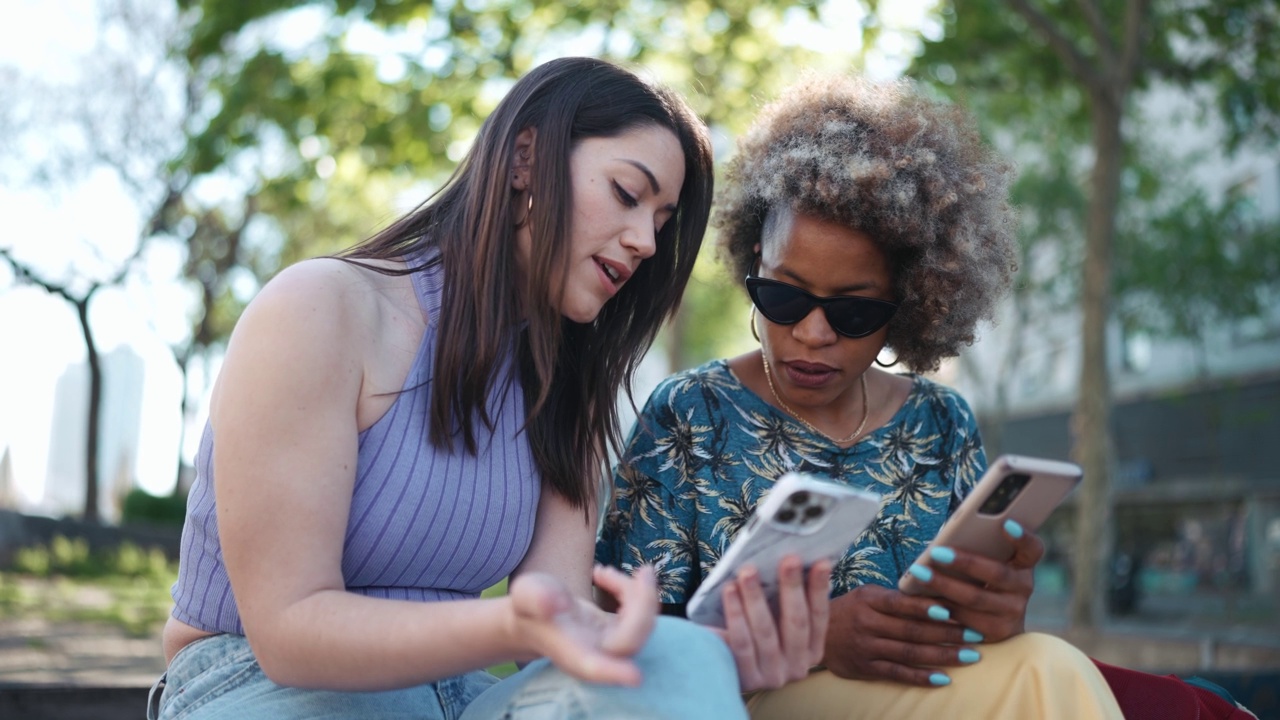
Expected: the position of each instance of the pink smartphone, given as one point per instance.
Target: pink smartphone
(1024, 489)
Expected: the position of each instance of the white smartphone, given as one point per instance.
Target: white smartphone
(802, 515)
(1024, 489)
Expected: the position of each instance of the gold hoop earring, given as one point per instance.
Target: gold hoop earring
(754, 334)
(887, 365)
(528, 212)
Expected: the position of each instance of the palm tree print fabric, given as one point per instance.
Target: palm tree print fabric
(706, 449)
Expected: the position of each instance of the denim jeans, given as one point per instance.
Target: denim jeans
(688, 673)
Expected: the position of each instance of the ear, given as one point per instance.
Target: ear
(522, 159)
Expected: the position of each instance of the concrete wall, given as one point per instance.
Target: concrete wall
(19, 531)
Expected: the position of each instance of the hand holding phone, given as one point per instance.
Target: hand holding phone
(1023, 489)
(802, 515)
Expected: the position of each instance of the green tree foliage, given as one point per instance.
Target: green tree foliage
(1192, 264)
(1089, 59)
(331, 131)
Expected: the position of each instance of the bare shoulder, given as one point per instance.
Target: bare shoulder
(342, 298)
(323, 320)
(341, 288)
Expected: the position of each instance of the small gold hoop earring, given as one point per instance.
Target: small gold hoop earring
(754, 334)
(887, 365)
(528, 212)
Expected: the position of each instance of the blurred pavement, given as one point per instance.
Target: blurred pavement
(1160, 639)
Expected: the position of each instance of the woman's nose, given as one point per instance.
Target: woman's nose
(814, 330)
(641, 240)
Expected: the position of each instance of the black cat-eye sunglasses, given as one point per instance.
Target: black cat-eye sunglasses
(850, 315)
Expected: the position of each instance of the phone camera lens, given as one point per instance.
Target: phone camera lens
(1004, 494)
(786, 515)
(813, 511)
(799, 498)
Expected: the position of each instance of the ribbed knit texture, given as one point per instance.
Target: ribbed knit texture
(425, 524)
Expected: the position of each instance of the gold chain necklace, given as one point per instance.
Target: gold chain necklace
(768, 375)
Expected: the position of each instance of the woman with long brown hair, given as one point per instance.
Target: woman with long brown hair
(397, 429)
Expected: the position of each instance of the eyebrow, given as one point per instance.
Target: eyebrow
(653, 180)
(843, 290)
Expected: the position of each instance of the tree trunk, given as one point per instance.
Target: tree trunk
(183, 360)
(95, 409)
(1091, 429)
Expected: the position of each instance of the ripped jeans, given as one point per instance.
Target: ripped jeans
(688, 673)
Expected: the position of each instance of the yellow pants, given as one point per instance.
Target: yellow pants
(1028, 676)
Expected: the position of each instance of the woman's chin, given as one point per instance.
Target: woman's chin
(581, 310)
(582, 313)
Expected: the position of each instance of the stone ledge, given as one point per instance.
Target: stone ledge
(73, 703)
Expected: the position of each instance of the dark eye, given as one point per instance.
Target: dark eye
(624, 197)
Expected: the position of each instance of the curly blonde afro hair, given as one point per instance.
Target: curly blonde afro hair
(910, 172)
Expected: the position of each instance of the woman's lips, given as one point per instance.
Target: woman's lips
(809, 375)
(611, 286)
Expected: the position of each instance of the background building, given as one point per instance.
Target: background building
(124, 374)
(1194, 420)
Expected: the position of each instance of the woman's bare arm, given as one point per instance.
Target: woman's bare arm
(285, 422)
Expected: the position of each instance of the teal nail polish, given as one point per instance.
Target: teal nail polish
(939, 613)
(968, 656)
(944, 555)
(939, 679)
(1013, 528)
(921, 573)
(973, 636)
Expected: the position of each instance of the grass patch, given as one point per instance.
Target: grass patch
(127, 587)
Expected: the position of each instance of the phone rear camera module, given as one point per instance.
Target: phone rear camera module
(1004, 494)
(803, 512)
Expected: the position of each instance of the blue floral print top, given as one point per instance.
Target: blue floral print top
(706, 449)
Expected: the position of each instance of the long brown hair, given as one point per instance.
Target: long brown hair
(570, 372)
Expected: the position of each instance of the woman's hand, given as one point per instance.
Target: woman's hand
(982, 594)
(580, 638)
(878, 633)
(769, 653)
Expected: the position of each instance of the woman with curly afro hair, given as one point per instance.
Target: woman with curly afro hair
(866, 220)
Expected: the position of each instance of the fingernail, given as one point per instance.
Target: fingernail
(973, 636)
(939, 613)
(968, 656)
(939, 679)
(1013, 528)
(921, 573)
(944, 555)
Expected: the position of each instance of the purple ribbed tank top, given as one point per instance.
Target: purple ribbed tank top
(426, 524)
